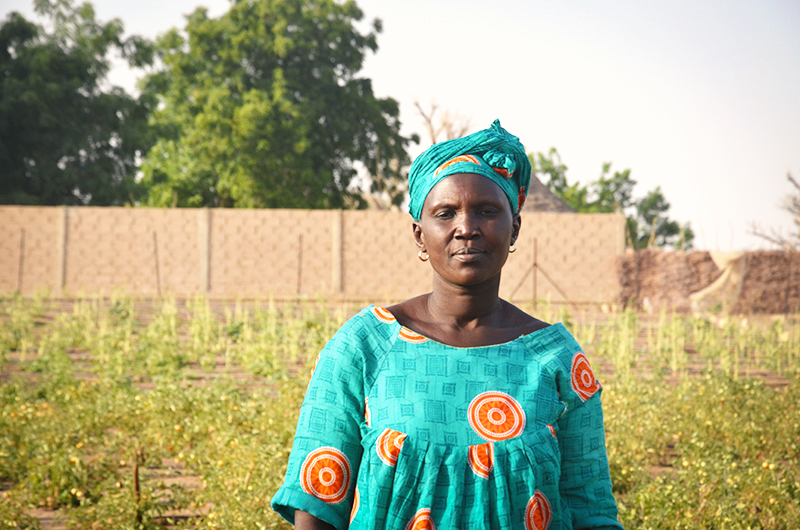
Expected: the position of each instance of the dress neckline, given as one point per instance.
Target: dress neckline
(385, 316)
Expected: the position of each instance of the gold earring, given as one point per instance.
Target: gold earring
(513, 248)
(423, 255)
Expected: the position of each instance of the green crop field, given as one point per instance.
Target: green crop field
(125, 414)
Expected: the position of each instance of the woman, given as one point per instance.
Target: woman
(453, 409)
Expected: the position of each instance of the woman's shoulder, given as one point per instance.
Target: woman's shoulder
(522, 322)
(367, 317)
(370, 332)
(408, 311)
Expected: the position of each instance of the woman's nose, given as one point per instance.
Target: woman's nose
(466, 226)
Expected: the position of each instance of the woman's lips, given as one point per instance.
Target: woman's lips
(468, 254)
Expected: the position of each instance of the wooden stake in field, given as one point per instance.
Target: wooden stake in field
(158, 269)
(22, 259)
(299, 264)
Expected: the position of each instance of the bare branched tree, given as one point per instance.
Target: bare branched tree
(453, 125)
(792, 205)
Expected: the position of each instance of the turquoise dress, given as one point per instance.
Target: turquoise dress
(400, 432)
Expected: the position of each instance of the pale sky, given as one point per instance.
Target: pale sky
(700, 98)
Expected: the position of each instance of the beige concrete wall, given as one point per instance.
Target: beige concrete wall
(255, 252)
(575, 257)
(131, 249)
(363, 255)
(31, 243)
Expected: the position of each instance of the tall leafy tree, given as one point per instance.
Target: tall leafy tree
(65, 136)
(648, 223)
(263, 107)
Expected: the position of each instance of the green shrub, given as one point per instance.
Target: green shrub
(186, 419)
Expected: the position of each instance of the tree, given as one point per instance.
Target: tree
(263, 107)
(651, 226)
(64, 138)
(550, 164)
(791, 205)
(451, 124)
(647, 220)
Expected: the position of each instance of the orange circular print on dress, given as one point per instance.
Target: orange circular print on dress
(388, 447)
(325, 474)
(496, 416)
(582, 377)
(481, 459)
(411, 336)
(383, 315)
(538, 513)
(421, 521)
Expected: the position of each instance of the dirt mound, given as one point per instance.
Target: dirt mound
(654, 279)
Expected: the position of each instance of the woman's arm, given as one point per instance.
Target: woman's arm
(306, 521)
(585, 482)
(328, 436)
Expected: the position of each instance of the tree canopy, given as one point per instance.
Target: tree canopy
(65, 137)
(647, 221)
(263, 107)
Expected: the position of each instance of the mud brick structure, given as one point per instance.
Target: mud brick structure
(768, 282)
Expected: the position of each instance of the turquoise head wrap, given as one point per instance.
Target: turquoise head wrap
(492, 152)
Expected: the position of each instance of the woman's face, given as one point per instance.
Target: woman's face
(466, 227)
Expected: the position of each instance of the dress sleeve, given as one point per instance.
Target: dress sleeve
(585, 483)
(323, 465)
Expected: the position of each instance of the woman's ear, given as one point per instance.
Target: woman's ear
(418, 237)
(516, 224)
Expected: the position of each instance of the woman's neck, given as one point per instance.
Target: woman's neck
(465, 308)
(465, 316)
